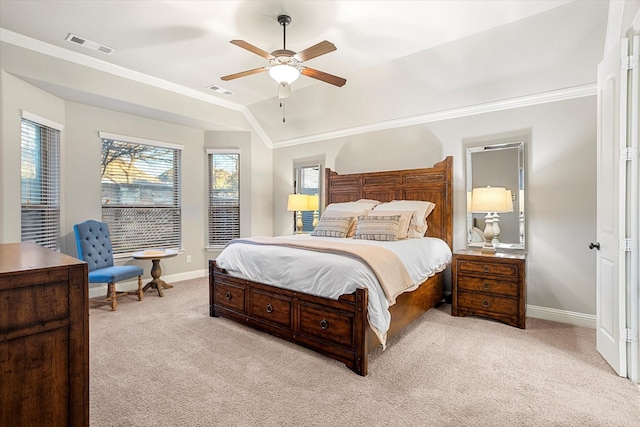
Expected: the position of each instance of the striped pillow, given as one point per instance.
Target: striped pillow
(332, 226)
(378, 227)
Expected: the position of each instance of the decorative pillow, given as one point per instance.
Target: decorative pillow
(378, 227)
(407, 219)
(354, 215)
(423, 209)
(332, 226)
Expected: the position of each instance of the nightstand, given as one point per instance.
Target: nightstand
(490, 285)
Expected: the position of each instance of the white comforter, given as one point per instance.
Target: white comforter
(331, 275)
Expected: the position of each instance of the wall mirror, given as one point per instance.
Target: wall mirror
(497, 165)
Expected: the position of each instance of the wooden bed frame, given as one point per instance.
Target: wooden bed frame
(339, 328)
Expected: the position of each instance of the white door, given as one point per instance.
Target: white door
(610, 222)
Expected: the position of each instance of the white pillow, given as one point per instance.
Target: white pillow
(422, 209)
(359, 206)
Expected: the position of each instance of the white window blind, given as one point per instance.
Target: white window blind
(307, 181)
(141, 192)
(224, 197)
(40, 184)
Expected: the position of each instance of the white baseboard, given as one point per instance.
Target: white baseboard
(100, 289)
(562, 316)
(545, 313)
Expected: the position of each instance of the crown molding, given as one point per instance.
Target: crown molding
(523, 101)
(100, 65)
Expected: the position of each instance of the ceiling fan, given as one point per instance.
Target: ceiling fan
(285, 66)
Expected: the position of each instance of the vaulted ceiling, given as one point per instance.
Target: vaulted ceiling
(400, 58)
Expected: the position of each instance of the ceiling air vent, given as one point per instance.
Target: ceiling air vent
(89, 44)
(219, 89)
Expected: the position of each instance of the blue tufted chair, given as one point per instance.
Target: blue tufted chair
(94, 247)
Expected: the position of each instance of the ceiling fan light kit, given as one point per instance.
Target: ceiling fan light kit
(285, 66)
(284, 74)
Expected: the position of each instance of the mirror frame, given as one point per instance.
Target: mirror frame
(519, 207)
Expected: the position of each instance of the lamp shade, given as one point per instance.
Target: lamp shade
(298, 202)
(489, 199)
(284, 74)
(313, 203)
(509, 201)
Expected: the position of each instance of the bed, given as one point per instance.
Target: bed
(339, 327)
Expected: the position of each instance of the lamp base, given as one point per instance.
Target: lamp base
(488, 249)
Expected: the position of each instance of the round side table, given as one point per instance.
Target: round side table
(155, 256)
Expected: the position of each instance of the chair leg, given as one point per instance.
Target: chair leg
(140, 291)
(111, 288)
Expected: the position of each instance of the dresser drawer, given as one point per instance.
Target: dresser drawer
(332, 327)
(477, 284)
(229, 295)
(39, 304)
(488, 268)
(488, 303)
(275, 309)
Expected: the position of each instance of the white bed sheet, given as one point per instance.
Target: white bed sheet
(331, 275)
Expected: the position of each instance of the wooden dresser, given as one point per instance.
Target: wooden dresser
(44, 338)
(490, 285)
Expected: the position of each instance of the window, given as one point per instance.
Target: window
(141, 193)
(224, 196)
(40, 182)
(307, 181)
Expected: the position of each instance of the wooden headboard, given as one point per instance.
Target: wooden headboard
(430, 184)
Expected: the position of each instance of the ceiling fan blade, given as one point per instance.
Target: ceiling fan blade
(244, 73)
(325, 77)
(251, 48)
(315, 51)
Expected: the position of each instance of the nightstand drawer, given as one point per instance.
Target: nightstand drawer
(477, 284)
(488, 268)
(489, 303)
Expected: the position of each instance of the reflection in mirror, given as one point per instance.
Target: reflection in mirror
(498, 165)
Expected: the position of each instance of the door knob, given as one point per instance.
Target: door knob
(594, 245)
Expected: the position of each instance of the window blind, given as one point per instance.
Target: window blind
(307, 182)
(224, 197)
(141, 195)
(40, 184)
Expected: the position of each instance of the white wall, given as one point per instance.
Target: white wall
(560, 157)
(16, 96)
(80, 165)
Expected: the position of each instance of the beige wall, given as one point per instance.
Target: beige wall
(560, 159)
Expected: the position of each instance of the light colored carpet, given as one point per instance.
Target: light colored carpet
(165, 362)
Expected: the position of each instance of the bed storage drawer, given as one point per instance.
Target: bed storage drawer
(328, 326)
(271, 308)
(230, 294)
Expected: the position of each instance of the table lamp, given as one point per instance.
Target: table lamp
(298, 203)
(496, 217)
(313, 206)
(489, 200)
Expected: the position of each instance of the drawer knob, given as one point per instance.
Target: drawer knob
(228, 295)
(485, 303)
(269, 308)
(485, 286)
(486, 269)
(324, 324)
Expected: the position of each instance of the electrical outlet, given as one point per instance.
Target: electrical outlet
(188, 258)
